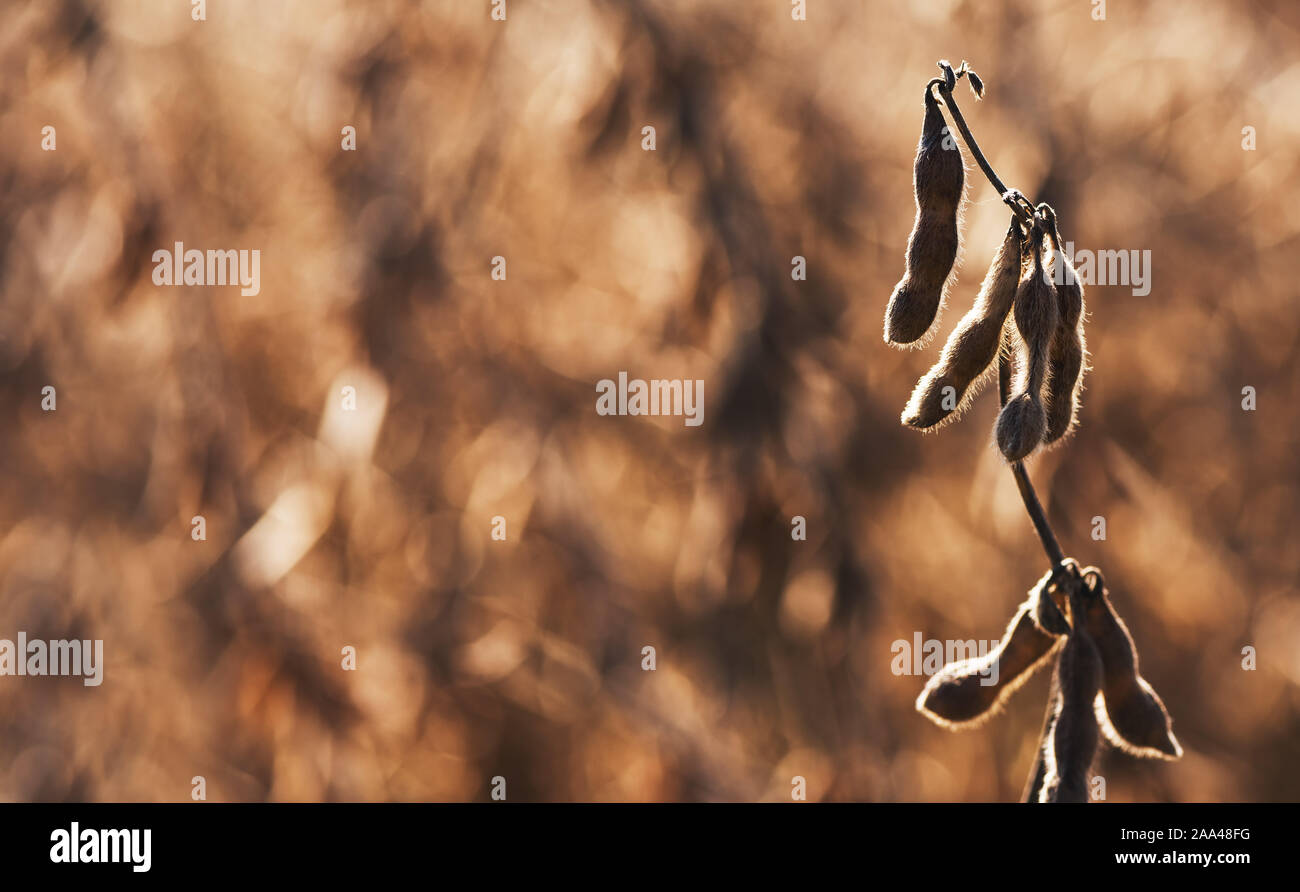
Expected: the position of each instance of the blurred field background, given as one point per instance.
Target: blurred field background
(476, 397)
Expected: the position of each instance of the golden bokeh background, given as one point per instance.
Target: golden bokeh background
(476, 398)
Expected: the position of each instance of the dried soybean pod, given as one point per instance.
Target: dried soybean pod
(938, 178)
(973, 343)
(949, 75)
(1065, 381)
(1133, 717)
(969, 690)
(1043, 609)
(1069, 349)
(1072, 742)
(1022, 421)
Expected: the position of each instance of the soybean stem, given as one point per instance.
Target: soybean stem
(1037, 772)
(1027, 494)
(974, 147)
(1046, 536)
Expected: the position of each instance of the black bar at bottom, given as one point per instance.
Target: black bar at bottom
(333, 842)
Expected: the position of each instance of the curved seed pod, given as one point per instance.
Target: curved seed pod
(1132, 715)
(973, 343)
(949, 76)
(938, 178)
(1071, 742)
(1022, 422)
(1065, 377)
(1069, 348)
(969, 690)
(1043, 609)
(976, 85)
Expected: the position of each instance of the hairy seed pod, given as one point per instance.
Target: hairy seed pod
(1069, 348)
(1071, 743)
(961, 693)
(1022, 421)
(949, 75)
(1065, 381)
(1043, 608)
(973, 344)
(938, 178)
(1132, 715)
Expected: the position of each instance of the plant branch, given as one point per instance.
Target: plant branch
(1014, 199)
(1037, 771)
(1027, 494)
(1026, 211)
(1011, 196)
